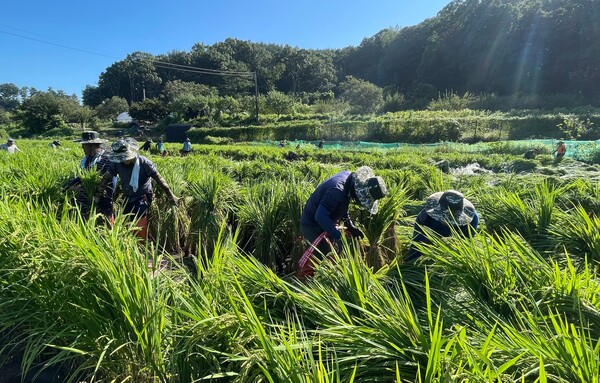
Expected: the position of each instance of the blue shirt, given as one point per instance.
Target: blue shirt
(442, 229)
(328, 204)
(147, 171)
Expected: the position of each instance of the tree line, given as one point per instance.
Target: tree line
(487, 55)
(504, 47)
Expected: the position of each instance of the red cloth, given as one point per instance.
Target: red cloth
(306, 266)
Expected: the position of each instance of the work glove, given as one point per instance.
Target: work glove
(353, 230)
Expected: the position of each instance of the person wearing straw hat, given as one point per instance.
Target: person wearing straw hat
(10, 146)
(94, 158)
(136, 173)
(94, 155)
(444, 213)
(328, 205)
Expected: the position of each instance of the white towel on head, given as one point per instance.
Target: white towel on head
(135, 175)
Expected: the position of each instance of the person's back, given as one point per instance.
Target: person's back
(333, 194)
(444, 213)
(187, 146)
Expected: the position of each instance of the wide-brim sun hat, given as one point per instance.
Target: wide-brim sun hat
(368, 188)
(450, 207)
(124, 150)
(91, 137)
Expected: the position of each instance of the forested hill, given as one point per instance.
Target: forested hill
(500, 46)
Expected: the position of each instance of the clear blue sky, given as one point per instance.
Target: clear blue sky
(99, 33)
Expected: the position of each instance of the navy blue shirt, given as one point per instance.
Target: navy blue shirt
(147, 171)
(442, 229)
(334, 196)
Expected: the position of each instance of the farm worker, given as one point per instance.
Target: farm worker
(187, 147)
(94, 158)
(10, 146)
(54, 144)
(328, 205)
(560, 150)
(160, 146)
(321, 143)
(530, 154)
(136, 173)
(444, 212)
(147, 145)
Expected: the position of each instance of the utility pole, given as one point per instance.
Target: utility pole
(256, 95)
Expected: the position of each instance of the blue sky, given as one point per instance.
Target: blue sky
(98, 33)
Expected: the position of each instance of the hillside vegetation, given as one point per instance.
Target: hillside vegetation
(496, 55)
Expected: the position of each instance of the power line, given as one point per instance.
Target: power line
(58, 45)
(157, 63)
(203, 71)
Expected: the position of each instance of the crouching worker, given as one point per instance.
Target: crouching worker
(328, 205)
(136, 173)
(444, 212)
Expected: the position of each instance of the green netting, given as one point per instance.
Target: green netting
(575, 149)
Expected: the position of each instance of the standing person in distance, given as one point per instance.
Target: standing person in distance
(328, 205)
(187, 147)
(160, 146)
(136, 173)
(560, 150)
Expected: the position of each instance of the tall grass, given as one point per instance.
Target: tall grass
(499, 306)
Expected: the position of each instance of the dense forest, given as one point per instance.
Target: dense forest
(499, 46)
(495, 55)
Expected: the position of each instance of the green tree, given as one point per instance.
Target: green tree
(151, 110)
(363, 96)
(9, 96)
(111, 108)
(41, 112)
(177, 88)
(92, 96)
(278, 103)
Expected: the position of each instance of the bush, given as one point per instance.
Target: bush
(210, 140)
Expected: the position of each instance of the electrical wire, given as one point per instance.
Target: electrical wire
(156, 63)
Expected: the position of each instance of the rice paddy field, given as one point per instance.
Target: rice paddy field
(519, 302)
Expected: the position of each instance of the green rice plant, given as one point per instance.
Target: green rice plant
(506, 210)
(83, 296)
(213, 199)
(170, 225)
(566, 351)
(585, 192)
(262, 217)
(546, 194)
(380, 228)
(296, 193)
(500, 271)
(579, 233)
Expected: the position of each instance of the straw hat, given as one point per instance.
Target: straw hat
(450, 207)
(368, 188)
(91, 137)
(123, 150)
